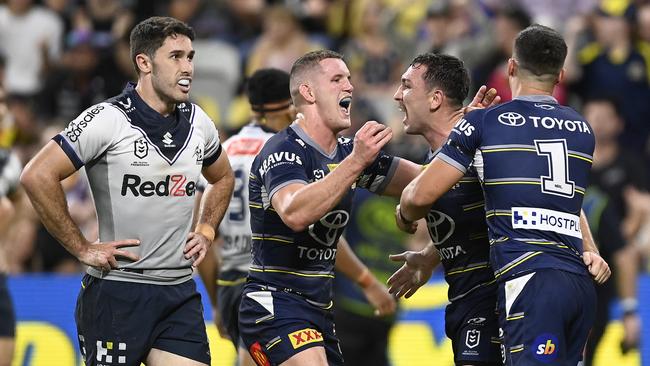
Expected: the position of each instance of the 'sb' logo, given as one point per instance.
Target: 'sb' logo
(545, 348)
(512, 119)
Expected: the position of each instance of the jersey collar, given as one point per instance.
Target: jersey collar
(538, 98)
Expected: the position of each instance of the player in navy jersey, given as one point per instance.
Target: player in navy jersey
(268, 94)
(533, 158)
(143, 152)
(431, 96)
(300, 196)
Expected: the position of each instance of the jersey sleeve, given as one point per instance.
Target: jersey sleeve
(376, 177)
(463, 141)
(281, 165)
(212, 149)
(88, 136)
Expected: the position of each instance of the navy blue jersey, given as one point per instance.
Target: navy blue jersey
(456, 224)
(533, 157)
(301, 262)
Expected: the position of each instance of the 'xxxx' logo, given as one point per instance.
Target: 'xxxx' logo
(305, 336)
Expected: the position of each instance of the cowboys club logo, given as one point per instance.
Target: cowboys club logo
(546, 107)
(328, 229)
(140, 148)
(472, 338)
(512, 119)
(441, 226)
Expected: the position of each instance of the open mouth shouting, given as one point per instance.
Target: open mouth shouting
(184, 83)
(345, 104)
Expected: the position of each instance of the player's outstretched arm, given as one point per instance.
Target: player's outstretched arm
(415, 272)
(42, 181)
(351, 266)
(598, 268)
(418, 196)
(300, 205)
(214, 203)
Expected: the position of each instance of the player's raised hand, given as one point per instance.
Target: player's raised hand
(598, 268)
(196, 246)
(369, 140)
(415, 272)
(102, 255)
(380, 299)
(484, 98)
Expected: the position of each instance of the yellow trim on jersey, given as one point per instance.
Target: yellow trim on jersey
(264, 319)
(291, 273)
(581, 158)
(466, 270)
(547, 243)
(516, 264)
(254, 205)
(498, 214)
(274, 343)
(515, 317)
(474, 206)
(517, 350)
(274, 239)
(511, 182)
(236, 282)
(509, 149)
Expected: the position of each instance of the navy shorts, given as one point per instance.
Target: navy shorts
(118, 323)
(7, 315)
(229, 291)
(275, 325)
(546, 317)
(472, 325)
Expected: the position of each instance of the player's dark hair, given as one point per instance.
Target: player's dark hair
(445, 72)
(150, 34)
(540, 50)
(267, 86)
(306, 62)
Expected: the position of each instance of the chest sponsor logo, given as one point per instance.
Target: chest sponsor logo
(328, 229)
(141, 148)
(552, 123)
(198, 154)
(167, 140)
(305, 336)
(472, 338)
(111, 353)
(278, 158)
(512, 119)
(441, 226)
(546, 220)
(173, 185)
(76, 127)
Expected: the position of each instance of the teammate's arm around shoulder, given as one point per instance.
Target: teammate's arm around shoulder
(300, 205)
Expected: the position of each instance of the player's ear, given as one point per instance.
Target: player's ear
(560, 77)
(436, 98)
(307, 93)
(143, 63)
(512, 67)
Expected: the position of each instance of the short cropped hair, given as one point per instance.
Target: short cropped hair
(540, 50)
(445, 72)
(305, 63)
(150, 34)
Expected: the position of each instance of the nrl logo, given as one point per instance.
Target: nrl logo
(140, 148)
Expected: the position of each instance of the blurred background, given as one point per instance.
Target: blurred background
(58, 57)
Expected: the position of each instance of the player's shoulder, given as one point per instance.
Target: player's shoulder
(285, 140)
(103, 112)
(248, 141)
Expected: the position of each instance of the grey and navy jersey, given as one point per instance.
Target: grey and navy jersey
(235, 229)
(142, 169)
(533, 157)
(301, 262)
(456, 224)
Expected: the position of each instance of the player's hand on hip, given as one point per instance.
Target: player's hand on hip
(403, 224)
(598, 268)
(103, 255)
(380, 299)
(415, 272)
(196, 246)
(369, 140)
(484, 98)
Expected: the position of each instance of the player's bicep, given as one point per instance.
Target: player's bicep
(218, 169)
(51, 163)
(283, 197)
(406, 171)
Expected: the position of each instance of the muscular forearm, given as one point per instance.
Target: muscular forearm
(215, 201)
(310, 202)
(588, 243)
(49, 202)
(347, 262)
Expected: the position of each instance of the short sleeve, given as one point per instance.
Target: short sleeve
(281, 165)
(212, 149)
(463, 141)
(376, 177)
(88, 136)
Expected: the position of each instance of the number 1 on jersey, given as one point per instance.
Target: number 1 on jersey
(557, 155)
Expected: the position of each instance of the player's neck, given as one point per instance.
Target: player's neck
(521, 87)
(153, 100)
(439, 132)
(316, 128)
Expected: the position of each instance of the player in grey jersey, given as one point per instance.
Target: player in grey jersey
(268, 94)
(144, 151)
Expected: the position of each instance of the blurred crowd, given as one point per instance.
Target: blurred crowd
(58, 57)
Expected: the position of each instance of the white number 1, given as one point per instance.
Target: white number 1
(557, 182)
